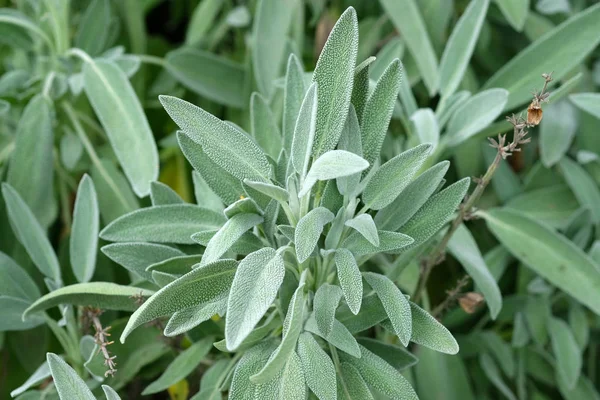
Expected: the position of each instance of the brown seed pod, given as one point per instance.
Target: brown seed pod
(534, 113)
(470, 301)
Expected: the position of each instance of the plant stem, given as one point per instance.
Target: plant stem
(464, 210)
(149, 59)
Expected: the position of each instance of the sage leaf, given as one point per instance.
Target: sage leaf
(515, 11)
(264, 129)
(435, 212)
(560, 50)
(549, 254)
(174, 223)
(207, 283)
(338, 336)
(413, 197)
(407, 19)
(242, 387)
(292, 99)
(582, 185)
(92, 35)
(68, 384)
(289, 383)
(115, 196)
(428, 332)
(388, 242)
(493, 374)
(566, 351)
(351, 141)
(124, 121)
(209, 75)
(394, 176)
(334, 75)
(319, 371)
(189, 318)
(181, 366)
(254, 288)
(475, 114)
(11, 314)
(292, 326)
(351, 384)
(331, 165)
(229, 233)
(325, 303)
(426, 126)
(110, 393)
(557, 131)
(350, 279)
(463, 247)
(106, 295)
(308, 231)
(137, 257)
(395, 304)
(378, 111)
(379, 374)
(304, 131)
(460, 46)
(588, 102)
(84, 235)
(273, 191)
(31, 235)
(360, 90)
(15, 282)
(365, 225)
(225, 145)
(162, 195)
(31, 168)
(40, 374)
(397, 356)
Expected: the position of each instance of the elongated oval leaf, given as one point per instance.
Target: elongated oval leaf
(460, 46)
(589, 102)
(181, 366)
(165, 224)
(92, 34)
(331, 165)
(463, 247)
(365, 225)
(253, 290)
(475, 114)
(31, 169)
(208, 75)
(185, 320)
(124, 121)
(15, 282)
(304, 131)
(351, 384)
(106, 295)
(582, 185)
(68, 384)
(110, 393)
(325, 303)
(208, 283)
(162, 195)
(426, 126)
(549, 254)
(292, 99)
(388, 242)
(407, 19)
(264, 127)
(242, 388)
(308, 231)
(428, 332)
(339, 336)
(394, 176)
(225, 145)
(395, 304)
(318, 367)
(84, 235)
(557, 131)
(350, 279)
(137, 257)
(334, 75)
(229, 233)
(566, 351)
(30, 234)
(560, 50)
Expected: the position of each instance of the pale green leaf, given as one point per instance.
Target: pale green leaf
(162, 195)
(407, 19)
(11, 314)
(68, 384)
(412, 198)
(208, 75)
(124, 122)
(426, 126)
(553, 205)
(338, 336)
(308, 231)
(588, 102)
(351, 385)
(565, 349)
(475, 114)
(174, 223)
(360, 91)
(333, 164)
(549, 254)
(318, 368)
(40, 374)
(428, 332)
(397, 356)
(378, 111)
(253, 290)
(515, 11)
(463, 247)
(334, 75)
(137, 257)
(460, 46)
(92, 35)
(229, 233)
(395, 304)
(304, 131)
(394, 176)
(106, 295)
(14, 280)
(242, 388)
(289, 383)
(493, 374)
(560, 50)
(185, 320)
(208, 283)
(181, 366)
(557, 130)
(31, 168)
(388, 242)
(273, 191)
(84, 234)
(292, 99)
(325, 303)
(381, 376)
(264, 127)
(110, 393)
(365, 225)
(582, 185)
(202, 20)
(226, 146)
(115, 196)
(579, 324)
(269, 36)
(31, 235)
(351, 141)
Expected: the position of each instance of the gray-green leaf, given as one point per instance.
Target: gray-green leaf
(84, 234)
(68, 384)
(566, 351)
(333, 164)
(229, 233)
(308, 231)
(318, 367)
(350, 279)
(428, 332)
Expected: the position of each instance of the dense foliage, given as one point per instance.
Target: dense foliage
(286, 199)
